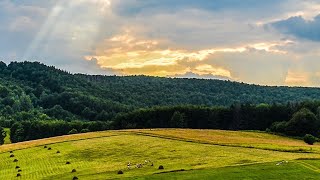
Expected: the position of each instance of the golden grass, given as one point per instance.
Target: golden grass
(234, 138)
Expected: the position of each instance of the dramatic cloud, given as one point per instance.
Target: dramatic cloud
(300, 27)
(266, 42)
(131, 55)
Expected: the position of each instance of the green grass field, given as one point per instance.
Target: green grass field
(185, 154)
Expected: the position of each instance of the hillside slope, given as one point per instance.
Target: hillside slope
(58, 94)
(198, 152)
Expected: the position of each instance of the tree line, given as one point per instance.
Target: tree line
(294, 119)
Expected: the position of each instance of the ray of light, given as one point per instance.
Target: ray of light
(79, 34)
(44, 30)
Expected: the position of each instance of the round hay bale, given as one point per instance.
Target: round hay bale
(16, 160)
(75, 178)
(12, 155)
(17, 167)
(161, 167)
(68, 162)
(139, 166)
(18, 175)
(120, 172)
(74, 170)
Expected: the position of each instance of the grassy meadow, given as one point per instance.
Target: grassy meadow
(185, 154)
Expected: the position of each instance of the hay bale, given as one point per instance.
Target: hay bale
(120, 172)
(68, 162)
(18, 175)
(161, 167)
(16, 160)
(17, 167)
(75, 178)
(74, 170)
(12, 155)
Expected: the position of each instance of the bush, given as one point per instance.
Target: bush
(120, 172)
(302, 122)
(74, 170)
(73, 131)
(161, 167)
(309, 139)
(278, 127)
(268, 130)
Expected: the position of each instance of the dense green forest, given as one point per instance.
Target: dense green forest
(41, 101)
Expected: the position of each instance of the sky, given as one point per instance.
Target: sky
(262, 42)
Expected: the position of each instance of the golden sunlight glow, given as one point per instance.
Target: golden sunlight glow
(129, 54)
(271, 47)
(295, 78)
(206, 69)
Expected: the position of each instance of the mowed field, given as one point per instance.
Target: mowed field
(185, 154)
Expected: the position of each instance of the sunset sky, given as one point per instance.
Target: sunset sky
(273, 42)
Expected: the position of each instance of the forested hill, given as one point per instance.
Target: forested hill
(144, 91)
(31, 90)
